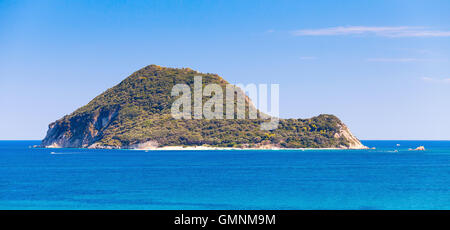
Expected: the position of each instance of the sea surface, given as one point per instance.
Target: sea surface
(390, 177)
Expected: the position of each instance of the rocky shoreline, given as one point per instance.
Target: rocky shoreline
(145, 146)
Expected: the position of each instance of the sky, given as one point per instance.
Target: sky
(383, 67)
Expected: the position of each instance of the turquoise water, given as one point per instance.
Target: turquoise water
(33, 178)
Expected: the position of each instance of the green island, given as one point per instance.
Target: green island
(136, 114)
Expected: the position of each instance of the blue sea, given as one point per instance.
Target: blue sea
(389, 177)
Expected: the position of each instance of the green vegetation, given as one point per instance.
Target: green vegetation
(138, 110)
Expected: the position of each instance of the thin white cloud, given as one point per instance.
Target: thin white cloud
(398, 31)
(437, 80)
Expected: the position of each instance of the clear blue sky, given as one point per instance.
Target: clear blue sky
(383, 67)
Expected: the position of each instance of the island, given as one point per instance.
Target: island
(136, 114)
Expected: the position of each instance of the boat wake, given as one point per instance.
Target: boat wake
(64, 153)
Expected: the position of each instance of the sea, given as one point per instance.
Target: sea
(389, 177)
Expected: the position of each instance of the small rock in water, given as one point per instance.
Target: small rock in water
(420, 148)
